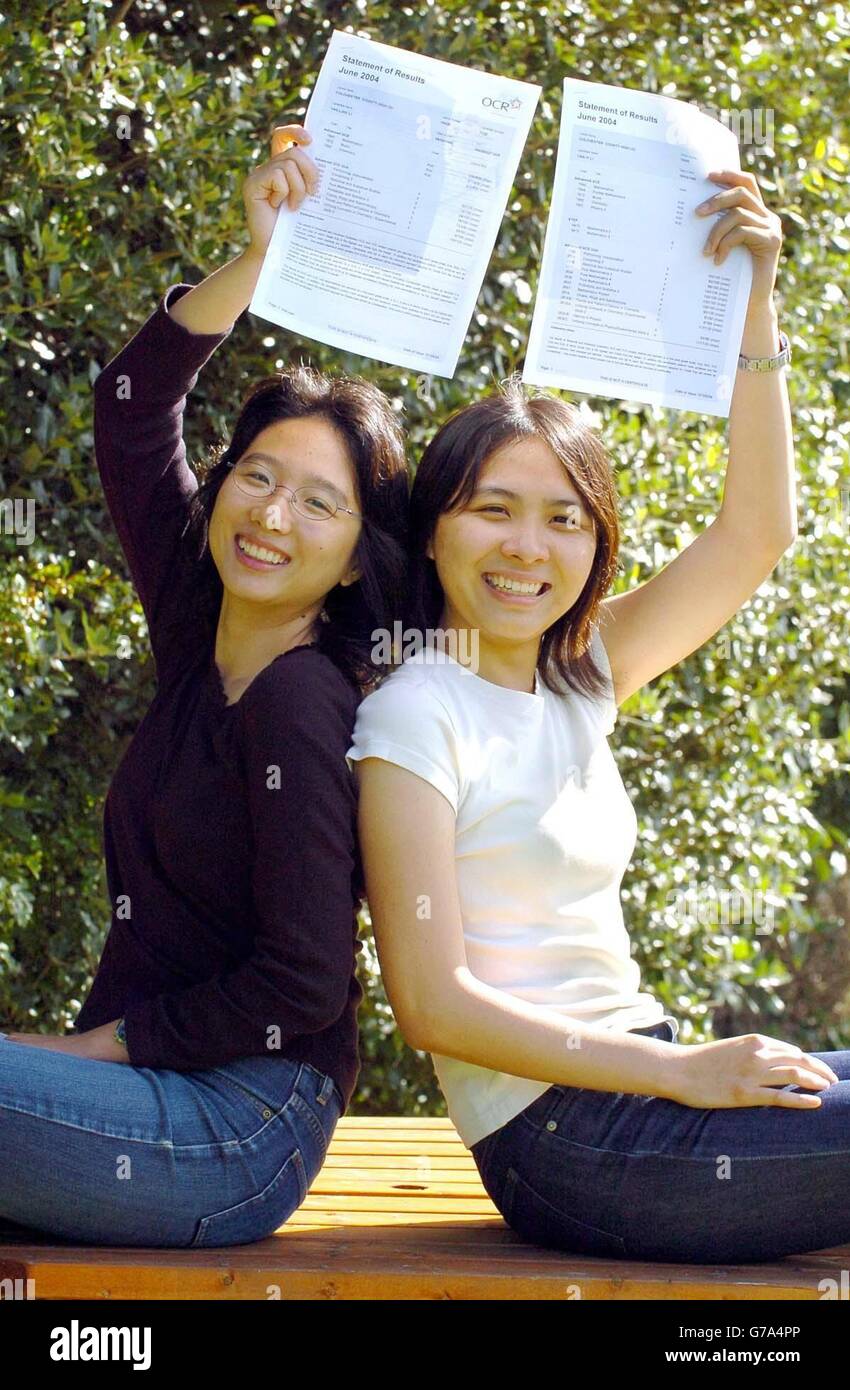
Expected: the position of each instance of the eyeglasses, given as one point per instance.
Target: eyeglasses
(313, 503)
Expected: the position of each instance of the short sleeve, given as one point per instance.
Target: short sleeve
(607, 704)
(405, 723)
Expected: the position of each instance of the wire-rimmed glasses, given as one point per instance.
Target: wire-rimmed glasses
(313, 503)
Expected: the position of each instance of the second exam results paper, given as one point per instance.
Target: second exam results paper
(627, 306)
(416, 160)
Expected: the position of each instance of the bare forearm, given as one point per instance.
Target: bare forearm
(101, 1044)
(759, 495)
(490, 1028)
(98, 1044)
(215, 304)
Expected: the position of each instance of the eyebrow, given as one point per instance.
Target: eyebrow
(515, 497)
(315, 478)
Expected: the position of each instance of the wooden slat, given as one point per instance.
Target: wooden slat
(402, 1164)
(397, 1212)
(431, 1141)
(386, 1216)
(413, 1201)
(365, 1181)
(423, 1124)
(412, 1149)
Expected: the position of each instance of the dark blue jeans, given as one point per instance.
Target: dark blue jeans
(642, 1177)
(110, 1154)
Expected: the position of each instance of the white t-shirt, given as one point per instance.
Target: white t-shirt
(544, 833)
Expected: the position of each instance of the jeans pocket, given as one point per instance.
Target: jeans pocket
(536, 1220)
(314, 1131)
(258, 1216)
(326, 1086)
(262, 1107)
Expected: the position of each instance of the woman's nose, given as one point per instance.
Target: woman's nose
(526, 545)
(274, 516)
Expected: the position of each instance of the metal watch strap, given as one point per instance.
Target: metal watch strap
(768, 364)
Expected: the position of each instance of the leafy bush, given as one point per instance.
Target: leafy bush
(128, 131)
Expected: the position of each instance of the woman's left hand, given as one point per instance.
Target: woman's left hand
(98, 1044)
(746, 223)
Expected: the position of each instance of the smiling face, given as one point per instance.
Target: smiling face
(304, 558)
(517, 556)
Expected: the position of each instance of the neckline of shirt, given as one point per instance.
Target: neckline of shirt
(216, 685)
(530, 700)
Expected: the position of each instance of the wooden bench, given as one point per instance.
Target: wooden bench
(397, 1212)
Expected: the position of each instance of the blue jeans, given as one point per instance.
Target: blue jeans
(642, 1177)
(111, 1154)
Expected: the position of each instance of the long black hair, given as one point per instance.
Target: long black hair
(364, 418)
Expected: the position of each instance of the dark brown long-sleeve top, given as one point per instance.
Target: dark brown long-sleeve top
(229, 831)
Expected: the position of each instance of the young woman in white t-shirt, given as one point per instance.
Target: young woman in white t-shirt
(495, 830)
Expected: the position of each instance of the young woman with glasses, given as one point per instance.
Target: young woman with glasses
(218, 1046)
(495, 831)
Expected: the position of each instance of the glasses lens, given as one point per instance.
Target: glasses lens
(254, 480)
(312, 503)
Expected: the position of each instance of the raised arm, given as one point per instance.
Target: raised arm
(656, 625)
(140, 398)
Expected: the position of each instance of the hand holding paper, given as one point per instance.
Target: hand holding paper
(394, 217)
(746, 222)
(627, 305)
(417, 158)
(287, 178)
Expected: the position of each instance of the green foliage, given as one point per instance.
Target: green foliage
(125, 144)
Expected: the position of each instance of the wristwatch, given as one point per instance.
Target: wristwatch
(768, 364)
(120, 1034)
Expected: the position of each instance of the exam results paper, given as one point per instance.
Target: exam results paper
(627, 306)
(416, 160)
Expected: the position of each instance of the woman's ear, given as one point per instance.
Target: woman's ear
(352, 577)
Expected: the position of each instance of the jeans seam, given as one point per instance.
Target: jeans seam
(514, 1178)
(156, 1142)
(304, 1108)
(261, 1199)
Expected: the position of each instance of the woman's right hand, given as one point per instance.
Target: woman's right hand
(287, 178)
(745, 1071)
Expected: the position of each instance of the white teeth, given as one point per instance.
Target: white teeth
(258, 553)
(512, 586)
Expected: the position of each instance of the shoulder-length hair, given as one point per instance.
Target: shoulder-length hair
(446, 478)
(364, 418)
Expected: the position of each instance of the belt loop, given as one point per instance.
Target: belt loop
(325, 1091)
